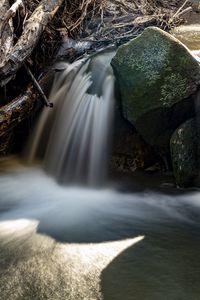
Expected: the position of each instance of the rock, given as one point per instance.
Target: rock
(156, 75)
(184, 153)
(129, 151)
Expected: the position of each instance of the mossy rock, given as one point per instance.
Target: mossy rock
(184, 153)
(156, 75)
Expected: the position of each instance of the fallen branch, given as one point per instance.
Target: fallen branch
(11, 12)
(38, 87)
(24, 105)
(33, 28)
(6, 30)
(17, 110)
(179, 11)
(183, 12)
(5, 143)
(83, 8)
(139, 21)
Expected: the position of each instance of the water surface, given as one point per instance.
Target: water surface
(61, 242)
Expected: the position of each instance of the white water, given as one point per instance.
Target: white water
(76, 243)
(62, 242)
(73, 139)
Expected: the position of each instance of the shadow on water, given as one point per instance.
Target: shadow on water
(71, 243)
(75, 243)
(160, 267)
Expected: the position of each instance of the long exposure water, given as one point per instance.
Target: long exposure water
(80, 242)
(61, 242)
(77, 131)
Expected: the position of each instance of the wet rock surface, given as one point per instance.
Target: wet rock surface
(156, 84)
(129, 151)
(184, 153)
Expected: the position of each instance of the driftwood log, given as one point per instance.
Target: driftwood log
(18, 109)
(6, 32)
(14, 54)
(33, 27)
(24, 105)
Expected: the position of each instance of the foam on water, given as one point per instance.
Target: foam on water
(29, 193)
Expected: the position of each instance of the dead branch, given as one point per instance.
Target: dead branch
(6, 32)
(11, 12)
(139, 21)
(33, 28)
(24, 105)
(84, 7)
(14, 112)
(38, 87)
(180, 11)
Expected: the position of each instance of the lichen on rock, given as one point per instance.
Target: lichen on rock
(174, 85)
(156, 72)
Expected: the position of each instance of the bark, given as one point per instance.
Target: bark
(6, 32)
(23, 106)
(33, 28)
(18, 109)
(5, 143)
(11, 12)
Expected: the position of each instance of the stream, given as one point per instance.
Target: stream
(68, 232)
(59, 242)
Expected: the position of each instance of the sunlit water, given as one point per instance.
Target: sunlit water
(74, 243)
(189, 35)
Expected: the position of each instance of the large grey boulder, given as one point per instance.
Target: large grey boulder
(156, 75)
(184, 146)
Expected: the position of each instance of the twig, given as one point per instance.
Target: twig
(38, 87)
(185, 11)
(178, 11)
(84, 7)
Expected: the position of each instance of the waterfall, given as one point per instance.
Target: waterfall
(73, 138)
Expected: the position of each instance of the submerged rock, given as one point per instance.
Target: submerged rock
(184, 153)
(156, 75)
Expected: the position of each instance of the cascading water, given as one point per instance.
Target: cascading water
(77, 130)
(80, 243)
